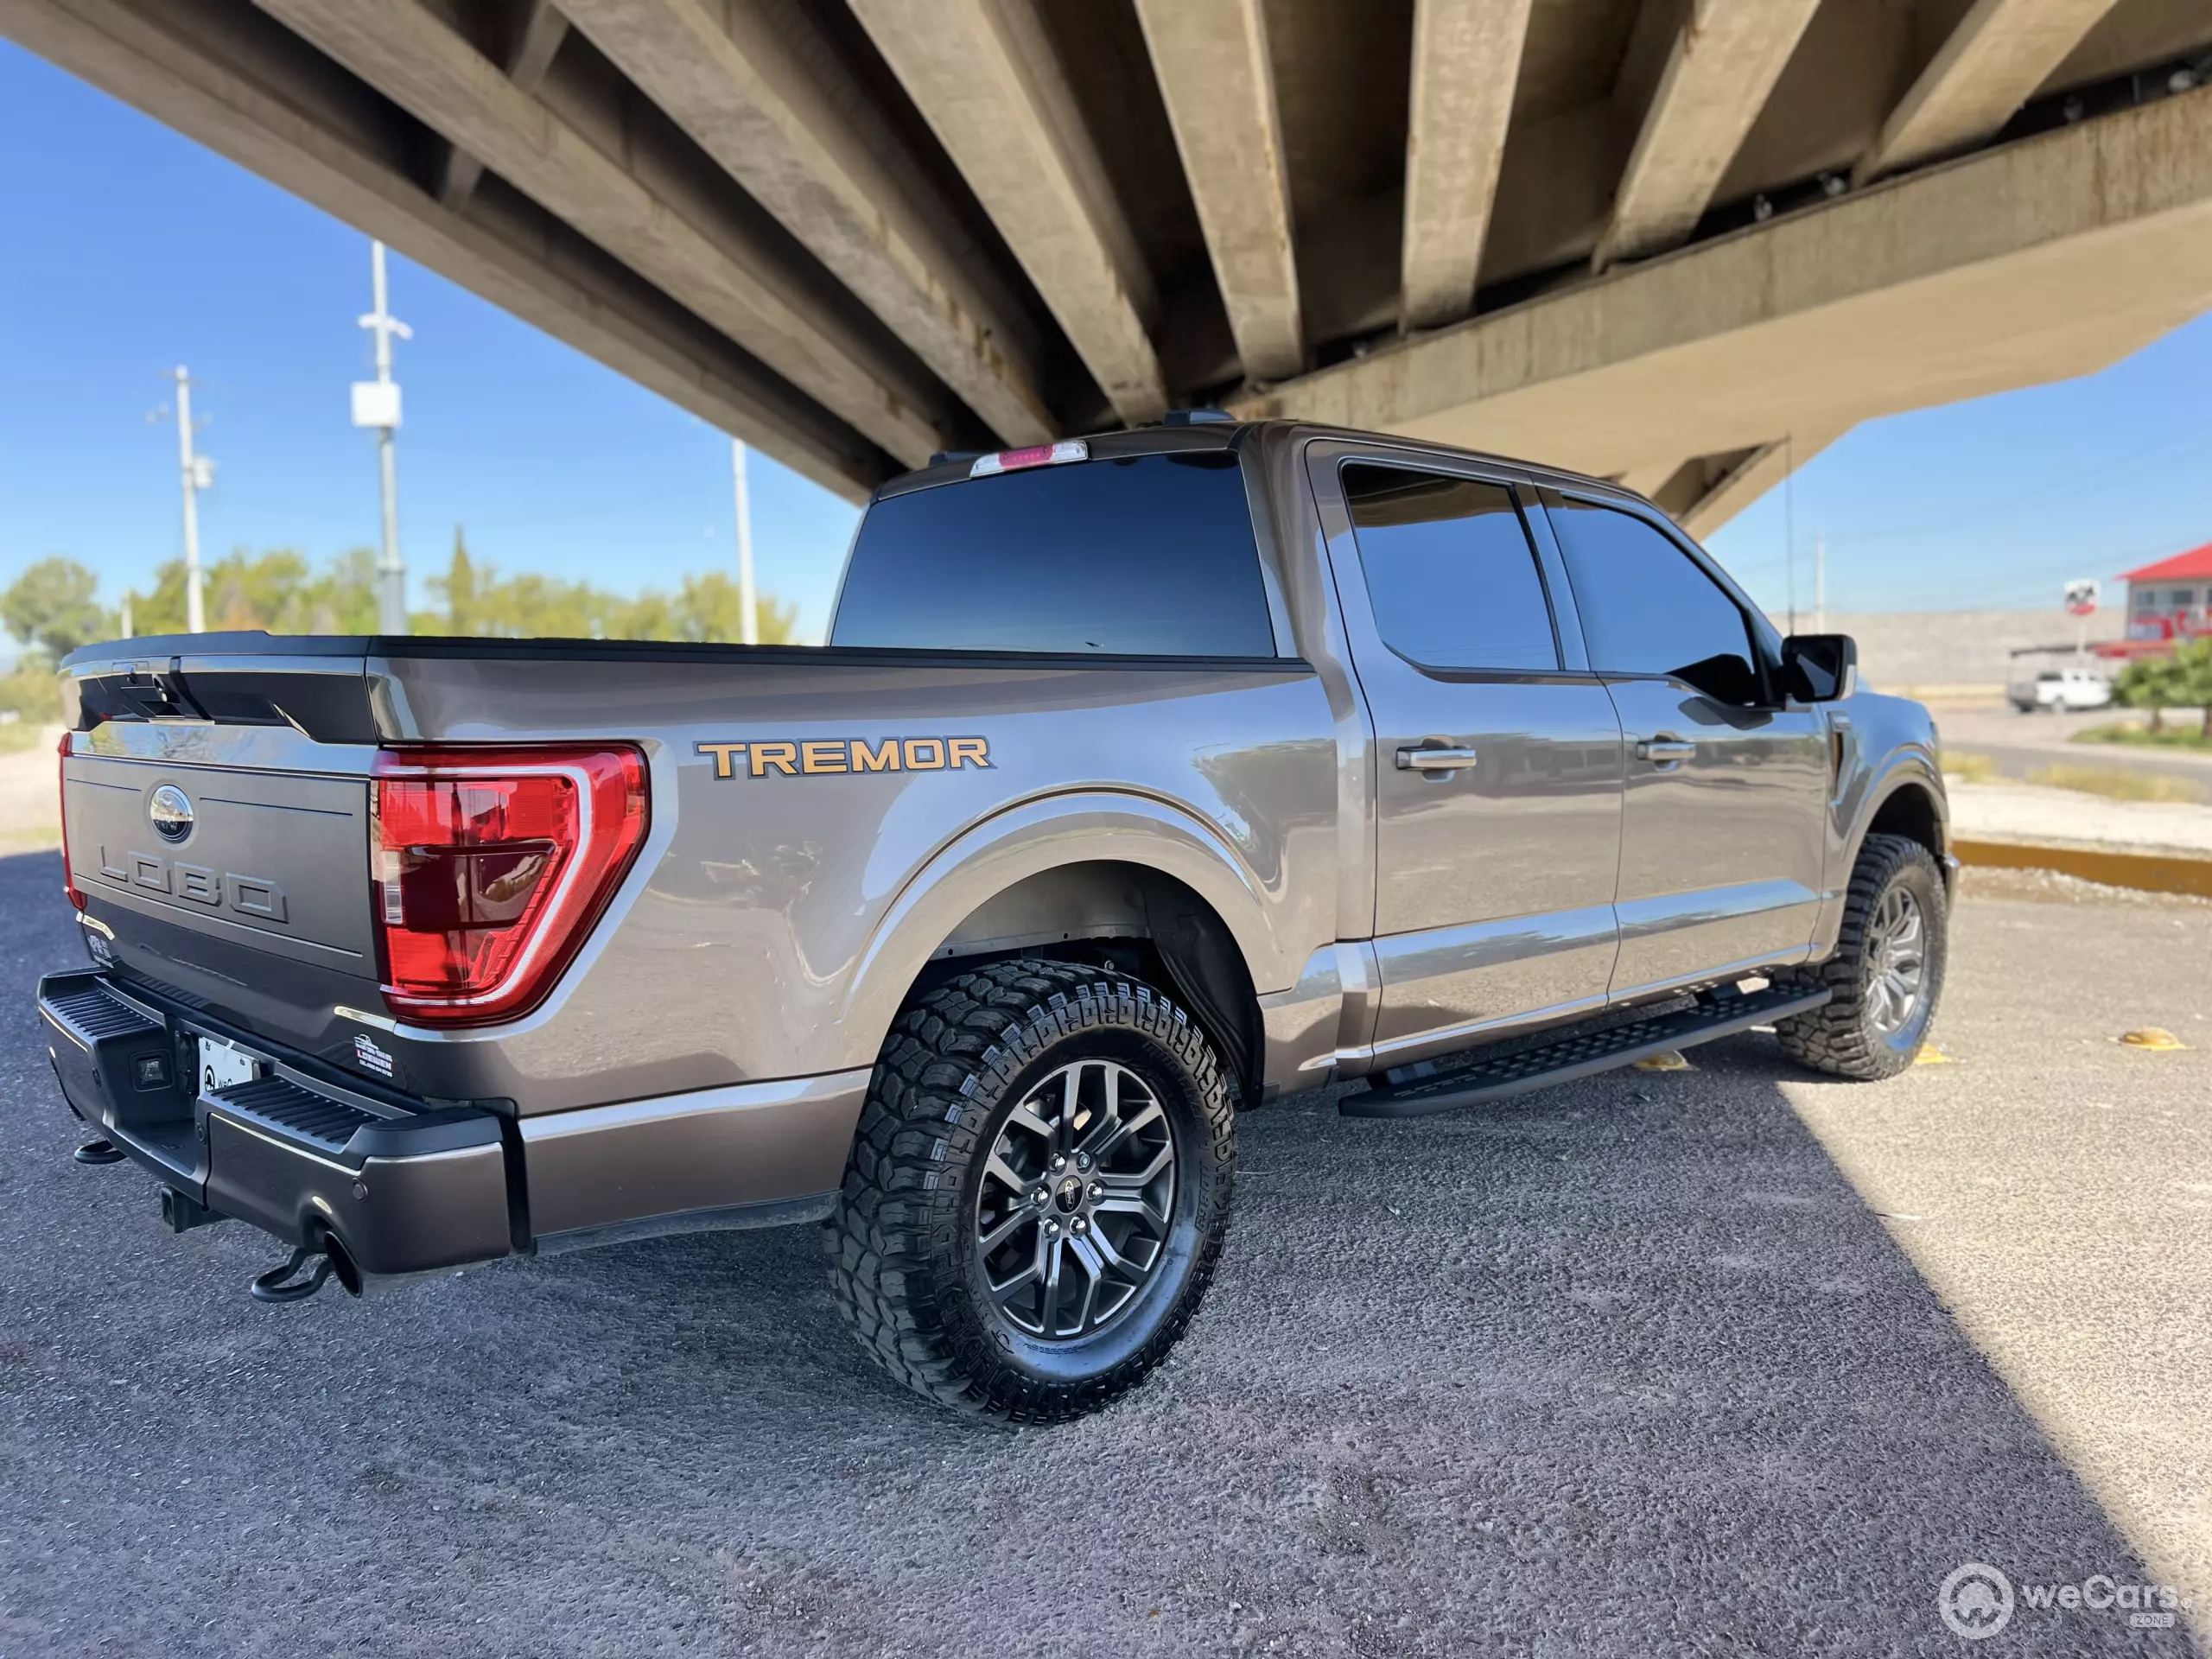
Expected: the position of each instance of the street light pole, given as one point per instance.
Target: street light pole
(197, 473)
(748, 610)
(376, 403)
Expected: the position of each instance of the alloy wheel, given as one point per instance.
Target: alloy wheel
(1897, 962)
(1073, 1213)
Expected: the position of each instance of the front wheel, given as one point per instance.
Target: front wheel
(1038, 1192)
(1887, 971)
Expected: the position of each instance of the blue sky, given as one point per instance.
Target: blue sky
(134, 249)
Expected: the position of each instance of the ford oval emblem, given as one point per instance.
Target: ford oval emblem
(171, 812)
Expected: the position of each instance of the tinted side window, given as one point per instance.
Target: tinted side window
(1146, 554)
(1450, 571)
(1647, 608)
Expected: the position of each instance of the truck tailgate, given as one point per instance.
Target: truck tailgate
(263, 861)
(228, 864)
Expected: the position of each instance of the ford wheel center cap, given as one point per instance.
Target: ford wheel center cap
(171, 812)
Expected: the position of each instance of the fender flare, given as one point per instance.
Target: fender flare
(1045, 833)
(1905, 768)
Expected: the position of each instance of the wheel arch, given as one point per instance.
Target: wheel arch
(1101, 877)
(1909, 803)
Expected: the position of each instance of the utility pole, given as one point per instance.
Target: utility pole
(1820, 584)
(748, 611)
(1790, 521)
(197, 473)
(376, 403)
(126, 630)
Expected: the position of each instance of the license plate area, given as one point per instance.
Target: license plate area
(219, 1066)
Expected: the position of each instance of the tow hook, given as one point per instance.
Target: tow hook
(271, 1287)
(100, 1150)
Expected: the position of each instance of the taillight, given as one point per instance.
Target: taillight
(491, 866)
(68, 870)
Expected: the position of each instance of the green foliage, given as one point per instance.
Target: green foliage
(278, 591)
(275, 590)
(33, 695)
(477, 600)
(2183, 680)
(2141, 737)
(51, 606)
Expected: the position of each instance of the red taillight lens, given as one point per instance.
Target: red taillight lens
(491, 866)
(68, 870)
(1041, 455)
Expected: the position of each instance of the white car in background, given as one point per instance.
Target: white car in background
(2055, 690)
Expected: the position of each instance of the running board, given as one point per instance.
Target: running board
(1581, 1052)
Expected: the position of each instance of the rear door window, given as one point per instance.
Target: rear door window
(1648, 607)
(1145, 555)
(1451, 572)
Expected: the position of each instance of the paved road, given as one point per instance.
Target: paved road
(1624, 1368)
(2022, 744)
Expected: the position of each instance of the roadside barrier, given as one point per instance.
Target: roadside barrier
(2149, 871)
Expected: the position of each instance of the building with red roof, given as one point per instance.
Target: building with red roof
(2168, 601)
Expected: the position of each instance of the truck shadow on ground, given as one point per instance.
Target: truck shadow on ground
(1625, 1367)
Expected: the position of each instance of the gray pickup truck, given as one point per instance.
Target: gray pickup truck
(1145, 779)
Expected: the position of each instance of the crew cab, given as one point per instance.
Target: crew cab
(1144, 778)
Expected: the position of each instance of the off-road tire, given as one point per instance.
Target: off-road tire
(1841, 1037)
(901, 1242)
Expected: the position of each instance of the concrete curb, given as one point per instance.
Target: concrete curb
(2149, 871)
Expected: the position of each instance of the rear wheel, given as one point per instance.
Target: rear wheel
(1038, 1192)
(1887, 971)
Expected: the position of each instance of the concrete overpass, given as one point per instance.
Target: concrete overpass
(1683, 241)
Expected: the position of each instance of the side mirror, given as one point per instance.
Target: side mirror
(1820, 667)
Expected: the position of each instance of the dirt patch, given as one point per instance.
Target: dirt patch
(30, 814)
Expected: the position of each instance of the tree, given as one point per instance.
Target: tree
(52, 605)
(279, 591)
(708, 609)
(459, 587)
(2192, 665)
(2151, 683)
(477, 600)
(275, 590)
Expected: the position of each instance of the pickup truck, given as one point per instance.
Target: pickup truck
(1144, 778)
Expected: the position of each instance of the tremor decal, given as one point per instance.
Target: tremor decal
(825, 756)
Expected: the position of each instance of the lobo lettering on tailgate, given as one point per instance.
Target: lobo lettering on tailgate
(822, 757)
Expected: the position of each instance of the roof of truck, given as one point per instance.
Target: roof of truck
(1219, 433)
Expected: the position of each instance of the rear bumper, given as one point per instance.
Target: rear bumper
(397, 1189)
(400, 1185)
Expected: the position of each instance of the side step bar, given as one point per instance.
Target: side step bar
(1581, 1053)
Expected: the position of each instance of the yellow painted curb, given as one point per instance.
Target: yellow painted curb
(1931, 1055)
(2147, 872)
(1670, 1061)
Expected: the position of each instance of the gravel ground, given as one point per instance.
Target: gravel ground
(1628, 1367)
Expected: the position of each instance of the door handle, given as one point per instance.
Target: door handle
(1434, 759)
(1665, 750)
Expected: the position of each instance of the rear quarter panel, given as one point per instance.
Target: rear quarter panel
(778, 921)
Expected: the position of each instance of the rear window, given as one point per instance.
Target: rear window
(1148, 555)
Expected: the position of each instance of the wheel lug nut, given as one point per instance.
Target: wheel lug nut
(1059, 1161)
(1078, 1225)
(1082, 1161)
(1052, 1230)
